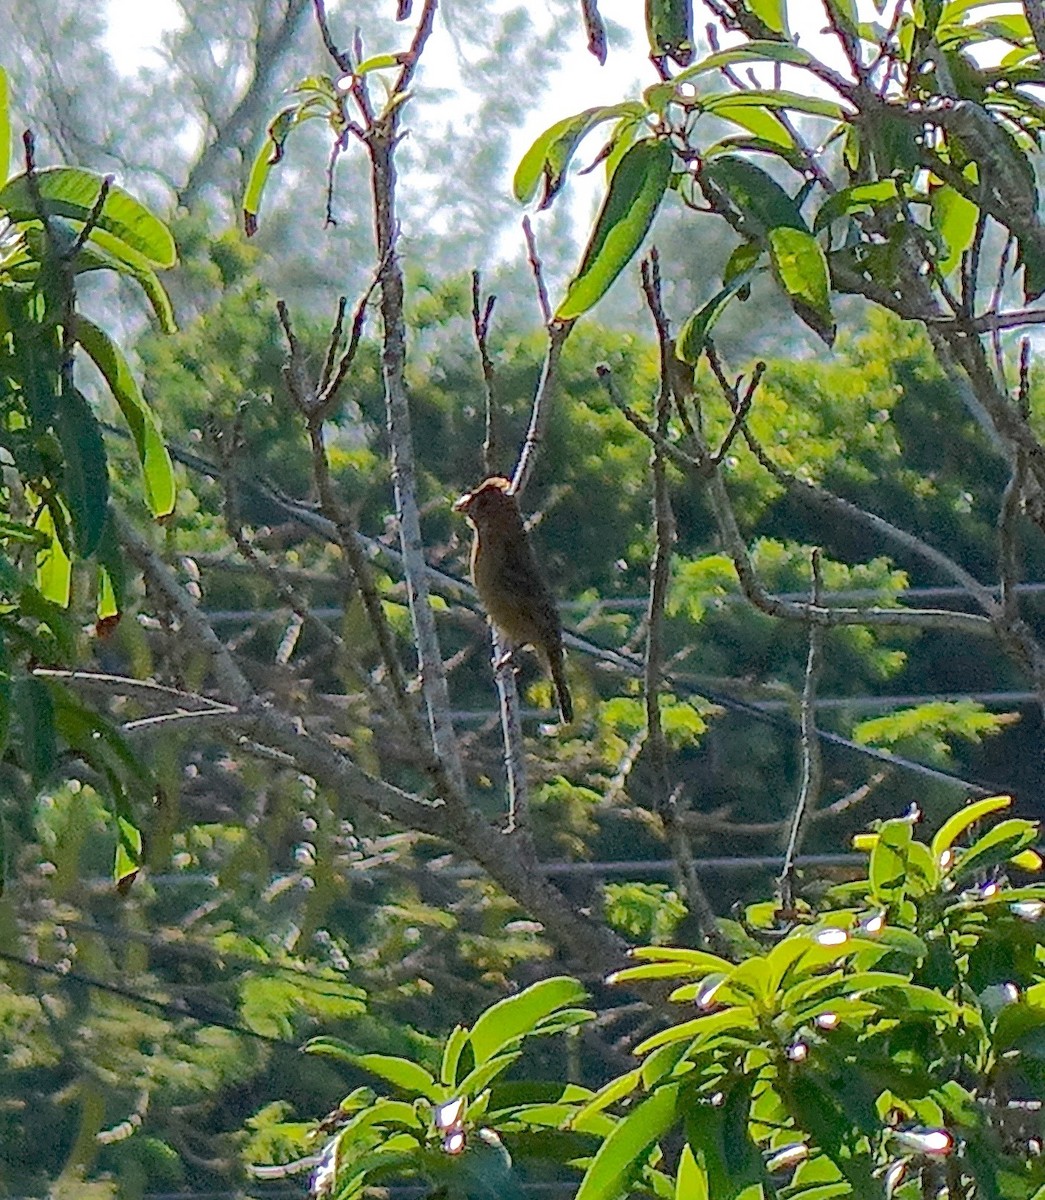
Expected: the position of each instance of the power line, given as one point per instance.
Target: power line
(176, 1009)
(462, 592)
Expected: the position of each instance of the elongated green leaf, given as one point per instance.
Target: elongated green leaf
(959, 822)
(756, 195)
(71, 192)
(694, 334)
(733, 1020)
(887, 869)
(695, 958)
(455, 1043)
(863, 197)
(772, 13)
(759, 121)
(157, 471)
(621, 1155)
(996, 846)
(5, 127)
(631, 203)
(691, 1183)
(266, 158)
(127, 861)
(103, 252)
(800, 267)
(814, 106)
(402, 1073)
(377, 62)
(509, 1019)
(669, 24)
(550, 154)
(85, 478)
(752, 52)
(37, 744)
(54, 571)
(485, 1073)
(609, 1094)
(331, 1047)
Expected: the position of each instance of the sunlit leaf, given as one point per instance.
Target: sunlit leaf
(157, 471)
(512, 1018)
(548, 157)
(800, 267)
(71, 192)
(621, 1155)
(632, 200)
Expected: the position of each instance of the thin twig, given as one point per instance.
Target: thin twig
(481, 314)
(812, 763)
(534, 260)
(667, 798)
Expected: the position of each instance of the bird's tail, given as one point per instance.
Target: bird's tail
(562, 691)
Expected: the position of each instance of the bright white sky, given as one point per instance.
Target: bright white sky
(135, 30)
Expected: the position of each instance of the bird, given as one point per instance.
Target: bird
(508, 579)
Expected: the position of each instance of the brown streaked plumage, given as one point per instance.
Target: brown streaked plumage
(509, 581)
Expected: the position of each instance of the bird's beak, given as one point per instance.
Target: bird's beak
(462, 502)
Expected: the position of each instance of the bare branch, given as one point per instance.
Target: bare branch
(538, 271)
(812, 763)
(667, 798)
(481, 314)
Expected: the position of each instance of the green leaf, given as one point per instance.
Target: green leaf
(739, 1019)
(954, 220)
(455, 1043)
(507, 1020)
(157, 471)
(127, 860)
(752, 52)
(72, 192)
(330, 1047)
(691, 1183)
(550, 154)
(887, 870)
(85, 478)
(757, 119)
(377, 62)
(266, 158)
(402, 1073)
(54, 571)
(103, 252)
(814, 106)
(5, 128)
(631, 202)
(111, 574)
(862, 197)
(760, 200)
(621, 1155)
(800, 267)
(481, 1076)
(608, 1095)
(669, 25)
(996, 846)
(959, 822)
(772, 13)
(694, 334)
(37, 744)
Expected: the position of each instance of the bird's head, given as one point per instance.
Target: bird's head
(490, 500)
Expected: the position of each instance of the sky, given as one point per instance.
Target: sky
(135, 30)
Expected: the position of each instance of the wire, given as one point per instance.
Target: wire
(463, 593)
(171, 1009)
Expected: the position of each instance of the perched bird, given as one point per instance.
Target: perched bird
(509, 581)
